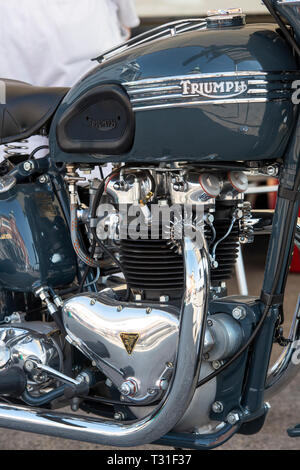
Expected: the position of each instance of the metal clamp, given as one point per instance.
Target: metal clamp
(270, 300)
(289, 194)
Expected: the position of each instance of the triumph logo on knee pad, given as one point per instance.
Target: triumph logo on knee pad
(101, 124)
(224, 89)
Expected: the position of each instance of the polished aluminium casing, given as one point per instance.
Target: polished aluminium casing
(96, 325)
(206, 95)
(19, 343)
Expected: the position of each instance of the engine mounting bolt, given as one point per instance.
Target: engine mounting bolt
(28, 166)
(272, 170)
(210, 323)
(43, 179)
(216, 364)
(93, 301)
(217, 407)
(119, 416)
(170, 365)
(239, 313)
(148, 310)
(233, 418)
(119, 308)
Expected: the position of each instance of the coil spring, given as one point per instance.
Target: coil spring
(16, 148)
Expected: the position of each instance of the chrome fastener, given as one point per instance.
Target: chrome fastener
(217, 407)
(129, 388)
(119, 416)
(216, 364)
(239, 313)
(233, 418)
(43, 179)
(28, 166)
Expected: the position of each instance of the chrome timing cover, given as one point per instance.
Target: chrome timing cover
(133, 343)
(20, 343)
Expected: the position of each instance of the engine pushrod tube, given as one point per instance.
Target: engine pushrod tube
(182, 388)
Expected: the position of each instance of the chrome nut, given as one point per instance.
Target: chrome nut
(233, 418)
(239, 313)
(28, 166)
(129, 388)
(217, 407)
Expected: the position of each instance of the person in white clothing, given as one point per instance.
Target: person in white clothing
(52, 42)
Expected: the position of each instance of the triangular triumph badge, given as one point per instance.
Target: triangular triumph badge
(129, 341)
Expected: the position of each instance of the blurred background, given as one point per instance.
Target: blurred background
(154, 12)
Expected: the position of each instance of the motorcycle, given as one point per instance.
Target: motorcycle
(114, 288)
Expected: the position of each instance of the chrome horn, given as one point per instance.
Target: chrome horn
(185, 377)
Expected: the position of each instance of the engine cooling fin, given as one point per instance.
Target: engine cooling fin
(152, 265)
(155, 268)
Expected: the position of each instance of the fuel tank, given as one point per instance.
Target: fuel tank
(205, 95)
(35, 244)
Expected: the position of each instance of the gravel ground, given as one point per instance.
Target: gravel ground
(285, 407)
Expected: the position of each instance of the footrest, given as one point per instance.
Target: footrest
(294, 432)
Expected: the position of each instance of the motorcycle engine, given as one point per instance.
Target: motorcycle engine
(132, 338)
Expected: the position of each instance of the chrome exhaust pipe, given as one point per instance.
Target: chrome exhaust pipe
(287, 366)
(177, 399)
